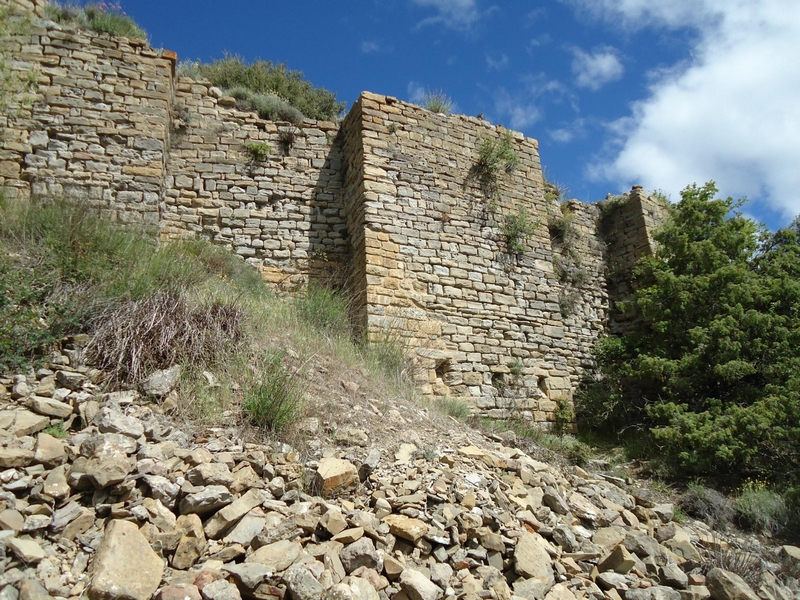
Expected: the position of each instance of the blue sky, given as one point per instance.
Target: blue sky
(661, 93)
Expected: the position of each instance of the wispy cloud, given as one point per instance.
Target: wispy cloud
(460, 15)
(729, 113)
(496, 64)
(566, 134)
(370, 47)
(416, 92)
(520, 111)
(596, 69)
(539, 40)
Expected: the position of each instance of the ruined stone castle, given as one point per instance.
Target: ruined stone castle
(385, 203)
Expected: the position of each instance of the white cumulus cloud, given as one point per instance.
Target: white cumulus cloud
(594, 70)
(729, 113)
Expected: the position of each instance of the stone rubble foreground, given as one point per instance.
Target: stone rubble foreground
(129, 507)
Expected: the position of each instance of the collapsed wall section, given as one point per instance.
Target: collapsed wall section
(626, 224)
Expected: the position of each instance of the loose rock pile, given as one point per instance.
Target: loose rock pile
(129, 507)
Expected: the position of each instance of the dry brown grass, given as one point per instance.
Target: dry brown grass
(136, 337)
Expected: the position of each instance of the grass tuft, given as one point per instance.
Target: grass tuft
(275, 400)
(437, 101)
(761, 509)
(324, 309)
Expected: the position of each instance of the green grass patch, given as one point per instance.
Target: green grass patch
(452, 407)
(324, 309)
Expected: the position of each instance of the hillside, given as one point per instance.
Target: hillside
(175, 487)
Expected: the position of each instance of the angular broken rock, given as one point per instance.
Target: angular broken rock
(161, 382)
(49, 407)
(248, 575)
(28, 551)
(334, 476)
(112, 421)
(224, 519)
(125, 567)
(49, 450)
(206, 500)
(532, 561)
(406, 527)
(192, 543)
(277, 556)
(220, 590)
(15, 457)
(725, 585)
(619, 561)
(360, 553)
(418, 587)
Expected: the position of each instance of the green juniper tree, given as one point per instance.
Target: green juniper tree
(712, 371)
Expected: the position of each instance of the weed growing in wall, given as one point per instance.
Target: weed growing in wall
(437, 101)
(258, 151)
(517, 228)
(494, 157)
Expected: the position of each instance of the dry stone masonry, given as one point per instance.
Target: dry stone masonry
(387, 203)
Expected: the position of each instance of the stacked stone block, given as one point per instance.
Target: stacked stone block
(283, 214)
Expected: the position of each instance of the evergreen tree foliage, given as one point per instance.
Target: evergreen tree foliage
(712, 371)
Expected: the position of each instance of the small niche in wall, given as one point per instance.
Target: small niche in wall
(499, 382)
(542, 384)
(442, 369)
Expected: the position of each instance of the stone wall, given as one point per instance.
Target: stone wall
(508, 333)
(387, 204)
(284, 214)
(627, 223)
(92, 123)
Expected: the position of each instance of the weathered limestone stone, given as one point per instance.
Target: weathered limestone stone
(15, 457)
(277, 556)
(361, 553)
(418, 587)
(111, 421)
(206, 500)
(619, 561)
(334, 476)
(49, 407)
(406, 527)
(49, 450)
(162, 382)
(725, 585)
(125, 567)
(225, 518)
(220, 590)
(192, 543)
(27, 550)
(532, 561)
(30, 589)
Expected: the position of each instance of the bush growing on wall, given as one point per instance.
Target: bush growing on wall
(271, 89)
(712, 370)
